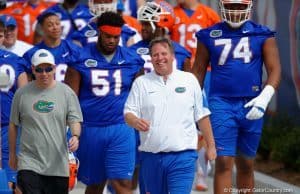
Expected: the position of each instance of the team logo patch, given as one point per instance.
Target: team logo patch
(42, 106)
(90, 33)
(180, 89)
(142, 51)
(91, 63)
(215, 33)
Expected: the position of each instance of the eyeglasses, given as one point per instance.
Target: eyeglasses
(41, 70)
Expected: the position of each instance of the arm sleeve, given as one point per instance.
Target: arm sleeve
(15, 109)
(133, 104)
(74, 110)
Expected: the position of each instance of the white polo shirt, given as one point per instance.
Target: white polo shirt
(19, 48)
(172, 108)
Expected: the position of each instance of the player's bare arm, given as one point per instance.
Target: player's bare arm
(272, 62)
(22, 80)
(187, 65)
(72, 78)
(141, 72)
(201, 63)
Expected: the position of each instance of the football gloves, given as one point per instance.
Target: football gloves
(259, 104)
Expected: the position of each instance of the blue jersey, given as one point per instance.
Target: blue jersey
(142, 48)
(236, 58)
(105, 85)
(89, 35)
(70, 22)
(13, 65)
(65, 54)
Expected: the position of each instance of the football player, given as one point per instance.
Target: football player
(13, 66)
(26, 14)
(191, 16)
(157, 18)
(102, 82)
(89, 34)
(73, 15)
(237, 49)
(65, 52)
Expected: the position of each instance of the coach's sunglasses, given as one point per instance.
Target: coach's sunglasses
(41, 70)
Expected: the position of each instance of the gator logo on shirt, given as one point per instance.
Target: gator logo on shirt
(42, 106)
(90, 33)
(215, 33)
(180, 89)
(142, 51)
(90, 63)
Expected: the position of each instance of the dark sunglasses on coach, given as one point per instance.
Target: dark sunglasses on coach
(41, 70)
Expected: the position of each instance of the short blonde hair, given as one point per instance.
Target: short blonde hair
(158, 40)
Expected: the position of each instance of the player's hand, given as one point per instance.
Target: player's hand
(13, 161)
(259, 103)
(141, 124)
(211, 153)
(73, 143)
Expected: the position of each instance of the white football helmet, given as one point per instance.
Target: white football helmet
(234, 17)
(98, 7)
(157, 12)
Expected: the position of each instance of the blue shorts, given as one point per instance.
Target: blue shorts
(233, 133)
(106, 153)
(10, 174)
(171, 172)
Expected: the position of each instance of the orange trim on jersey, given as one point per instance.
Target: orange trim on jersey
(113, 30)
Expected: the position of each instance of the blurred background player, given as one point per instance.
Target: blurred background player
(73, 16)
(191, 16)
(65, 52)
(237, 49)
(89, 34)
(157, 18)
(131, 6)
(11, 42)
(130, 22)
(102, 82)
(25, 14)
(128, 19)
(13, 66)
